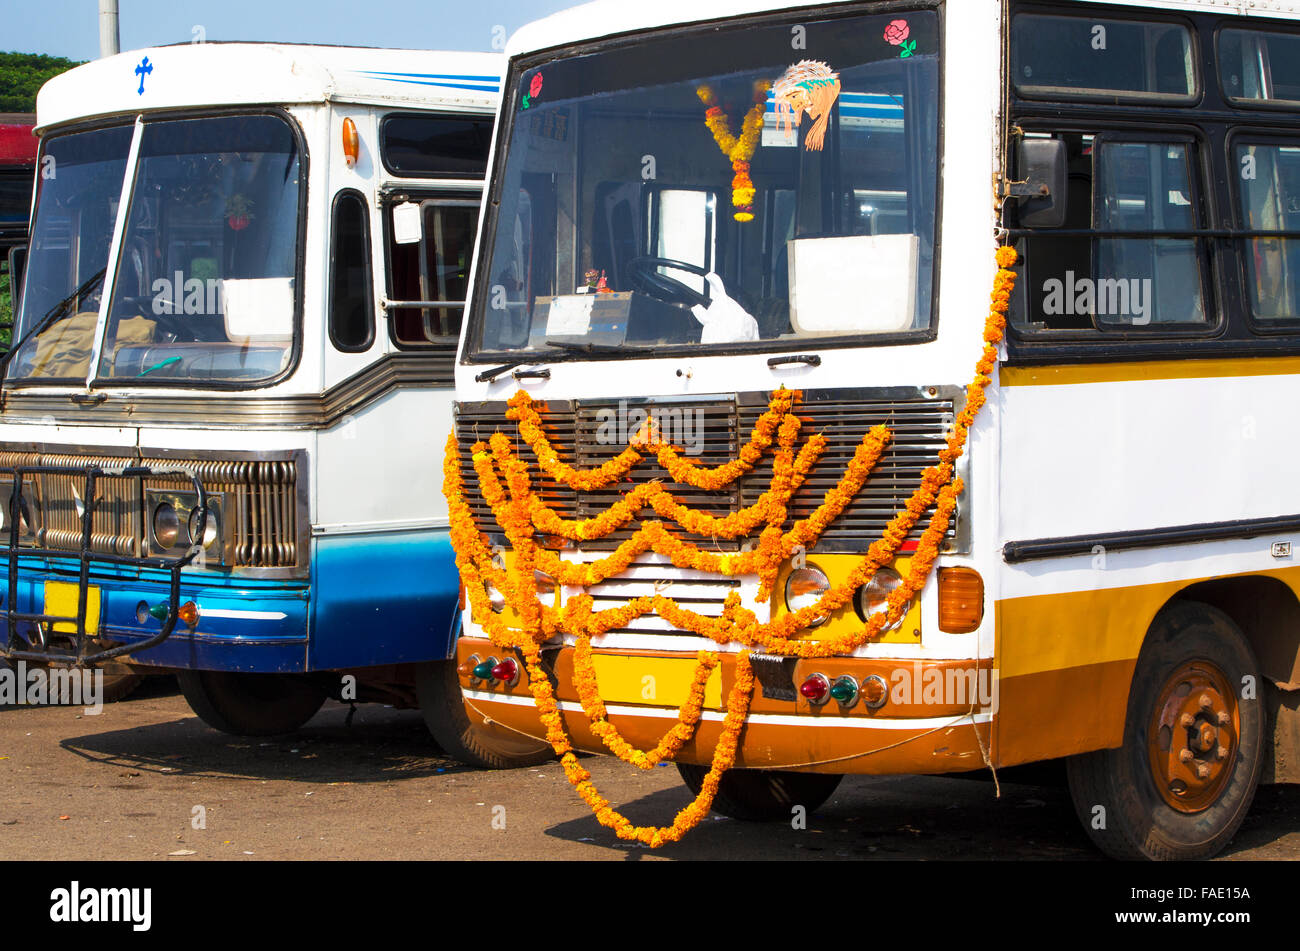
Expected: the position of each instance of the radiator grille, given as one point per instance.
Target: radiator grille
(918, 431)
(919, 427)
(696, 591)
(261, 504)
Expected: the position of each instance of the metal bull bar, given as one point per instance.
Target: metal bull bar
(47, 622)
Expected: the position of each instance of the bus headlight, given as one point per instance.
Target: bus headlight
(166, 525)
(871, 597)
(804, 588)
(173, 525)
(210, 531)
(546, 588)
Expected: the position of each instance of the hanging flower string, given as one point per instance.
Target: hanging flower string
(506, 486)
(739, 150)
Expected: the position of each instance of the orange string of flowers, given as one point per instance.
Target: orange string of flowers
(506, 487)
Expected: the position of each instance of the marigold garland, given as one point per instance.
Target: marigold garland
(739, 150)
(505, 484)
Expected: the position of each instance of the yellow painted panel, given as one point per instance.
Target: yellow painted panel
(1080, 628)
(662, 681)
(1148, 370)
(61, 600)
(837, 569)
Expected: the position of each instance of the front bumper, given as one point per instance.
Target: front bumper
(249, 625)
(941, 730)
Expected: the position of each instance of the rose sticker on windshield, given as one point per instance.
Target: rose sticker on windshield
(807, 86)
(534, 90)
(896, 34)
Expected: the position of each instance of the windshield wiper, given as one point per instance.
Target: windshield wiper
(585, 347)
(49, 317)
(489, 376)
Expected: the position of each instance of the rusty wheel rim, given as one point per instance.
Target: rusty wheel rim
(1193, 736)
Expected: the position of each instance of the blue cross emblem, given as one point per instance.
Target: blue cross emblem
(143, 70)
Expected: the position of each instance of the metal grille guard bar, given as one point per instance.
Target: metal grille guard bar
(12, 550)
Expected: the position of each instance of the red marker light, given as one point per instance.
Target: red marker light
(507, 672)
(815, 689)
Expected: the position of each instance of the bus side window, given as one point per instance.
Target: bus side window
(1080, 282)
(428, 269)
(352, 308)
(1268, 199)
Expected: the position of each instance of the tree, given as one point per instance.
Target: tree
(22, 74)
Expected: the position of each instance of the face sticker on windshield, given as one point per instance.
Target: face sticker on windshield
(896, 34)
(807, 86)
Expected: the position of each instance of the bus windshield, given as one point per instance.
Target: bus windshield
(765, 185)
(204, 289)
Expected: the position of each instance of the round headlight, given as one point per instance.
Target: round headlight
(872, 596)
(209, 530)
(166, 525)
(24, 517)
(804, 588)
(546, 588)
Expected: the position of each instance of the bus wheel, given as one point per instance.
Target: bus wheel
(438, 687)
(1182, 782)
(120, 682)
(250, 704)
(762, 795)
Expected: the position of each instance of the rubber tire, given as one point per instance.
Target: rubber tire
(120, 682)
(762, 795)
(437, 685)
(1139, 824)
(250, 704)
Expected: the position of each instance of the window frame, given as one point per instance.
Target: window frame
(1199, 180)
(1257, 135)
(1112, 14)
(436, 176)
(1243, 102)
(422, 194)
(369, 270)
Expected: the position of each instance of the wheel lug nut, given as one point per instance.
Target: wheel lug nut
(1224, 718)
(1223, 752)
(1186, 720)
(1205, 701)
(1184, 756)
(1202, 771)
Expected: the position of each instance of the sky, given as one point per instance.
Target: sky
(70, 27)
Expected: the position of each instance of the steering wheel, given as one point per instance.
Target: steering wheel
(645, 276)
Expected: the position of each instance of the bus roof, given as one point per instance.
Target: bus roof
(17, 144)
(603, 18)
(222, 74)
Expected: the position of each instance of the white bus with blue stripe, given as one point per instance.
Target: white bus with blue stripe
(223, 415)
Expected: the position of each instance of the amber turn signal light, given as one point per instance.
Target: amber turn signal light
(961, 600)
(351, 142)
(189, 613)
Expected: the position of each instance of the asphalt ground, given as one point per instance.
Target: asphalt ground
(147, 780)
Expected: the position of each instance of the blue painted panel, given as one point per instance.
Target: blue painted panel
(274, 640)
(382, 599)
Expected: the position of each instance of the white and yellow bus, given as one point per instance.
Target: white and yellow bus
(710, 220)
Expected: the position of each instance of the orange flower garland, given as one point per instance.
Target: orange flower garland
(505, 484)
(739, 150)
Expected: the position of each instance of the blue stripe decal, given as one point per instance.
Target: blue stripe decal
(473, 83)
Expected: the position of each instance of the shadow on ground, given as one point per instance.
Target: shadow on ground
(896, 817)
(380, 745)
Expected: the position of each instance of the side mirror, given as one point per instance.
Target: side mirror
(1041, 190)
